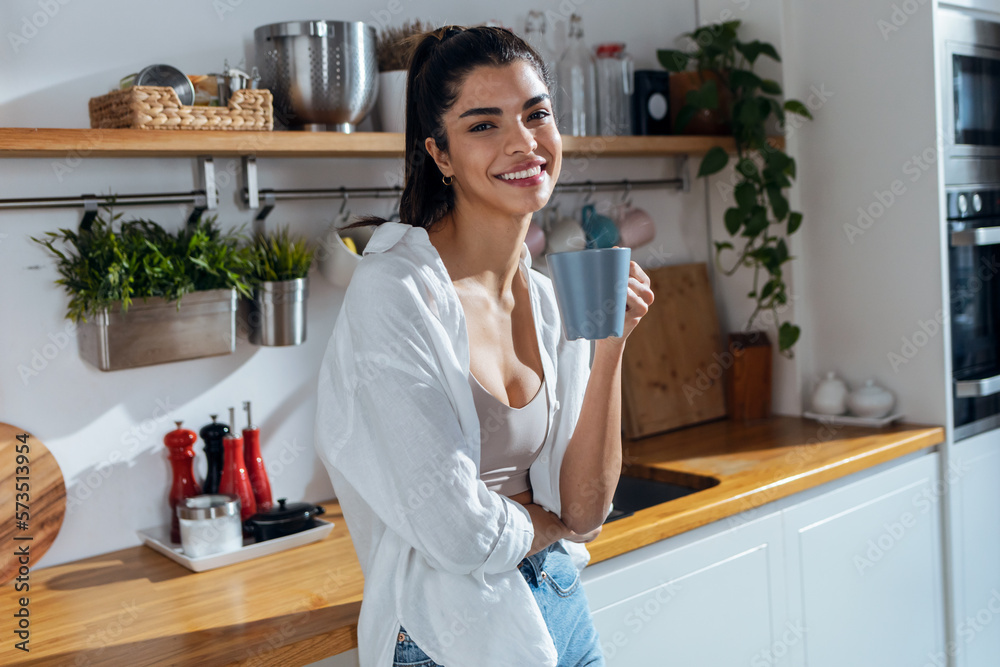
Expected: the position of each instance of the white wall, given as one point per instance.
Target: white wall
(106, 429)
(872, 292)
(857, 291)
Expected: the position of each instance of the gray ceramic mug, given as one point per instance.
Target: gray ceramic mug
(591, 289)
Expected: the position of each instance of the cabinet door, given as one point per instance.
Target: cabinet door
(716, 601)
(864, 570)
(975, 478)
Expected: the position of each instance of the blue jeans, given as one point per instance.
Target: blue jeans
(555, 583)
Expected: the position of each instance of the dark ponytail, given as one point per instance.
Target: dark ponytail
(441, 60)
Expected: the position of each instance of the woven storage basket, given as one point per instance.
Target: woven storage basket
(159, 108)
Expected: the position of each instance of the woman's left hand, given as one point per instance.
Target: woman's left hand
(638, 300)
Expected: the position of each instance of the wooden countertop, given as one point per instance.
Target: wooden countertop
(137, 607)
(743, 465)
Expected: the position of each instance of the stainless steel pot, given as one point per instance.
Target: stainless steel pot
(163, 75)
(321, 73)
(277, 314)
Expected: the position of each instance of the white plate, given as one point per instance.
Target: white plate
(158, 539)
(850, 420)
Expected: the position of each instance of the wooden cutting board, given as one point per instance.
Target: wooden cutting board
(673, 365)
(45, 499)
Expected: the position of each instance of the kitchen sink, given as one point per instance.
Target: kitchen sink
(637, 493)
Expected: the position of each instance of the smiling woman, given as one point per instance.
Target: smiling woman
(473, 449)
(458, 90)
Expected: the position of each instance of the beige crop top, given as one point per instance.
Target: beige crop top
(511, 438)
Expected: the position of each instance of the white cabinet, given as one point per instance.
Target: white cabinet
(717, 601)
(848, 576)
(866, 562)
(975, 478)
(345, 659)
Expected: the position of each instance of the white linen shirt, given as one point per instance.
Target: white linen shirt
(398, 432)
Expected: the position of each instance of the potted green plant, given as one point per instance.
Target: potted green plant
(275, 314)
(699, 98)
(760, 219)
(142, 295)
(393, 47)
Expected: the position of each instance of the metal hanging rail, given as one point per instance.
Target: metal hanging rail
(91, 203)
(206, 199)
(263, 201)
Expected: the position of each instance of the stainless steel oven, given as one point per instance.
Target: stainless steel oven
(974, 286)
(969, 49)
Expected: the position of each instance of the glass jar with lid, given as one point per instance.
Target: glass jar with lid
(615, 77)
(210, 524)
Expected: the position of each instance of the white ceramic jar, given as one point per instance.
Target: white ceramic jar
(870, 400)
(830, 396)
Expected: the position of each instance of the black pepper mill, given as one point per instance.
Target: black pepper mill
(212, 434)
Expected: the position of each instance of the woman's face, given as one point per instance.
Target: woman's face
(504, 150)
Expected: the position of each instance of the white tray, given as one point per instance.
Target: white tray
(158, 539)
(851, 420)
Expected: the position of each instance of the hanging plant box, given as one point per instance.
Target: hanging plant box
(156, 331)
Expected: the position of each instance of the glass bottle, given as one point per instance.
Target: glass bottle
(254, 462)
(235, 481)
(615, 75)
(576, 107)
(535, 36)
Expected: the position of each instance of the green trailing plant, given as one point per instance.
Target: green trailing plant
(280, 256)
(100, 266)
(761, 218)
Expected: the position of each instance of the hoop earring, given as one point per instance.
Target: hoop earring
(447, 179)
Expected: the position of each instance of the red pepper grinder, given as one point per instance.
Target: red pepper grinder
(235, 480)
(255, 464)
(180, 443)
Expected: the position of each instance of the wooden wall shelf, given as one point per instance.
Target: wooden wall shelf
(54, 142)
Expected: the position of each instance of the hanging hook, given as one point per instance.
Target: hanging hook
(626, 199)
(344, 194)
(590, 192)
(399, 203)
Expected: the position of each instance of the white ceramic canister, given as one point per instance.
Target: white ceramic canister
(870, 400)
(391, 101)
(210, 524)
(830, 396)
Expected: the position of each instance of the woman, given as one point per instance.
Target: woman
(472, 448)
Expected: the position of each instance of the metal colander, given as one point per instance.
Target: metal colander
(321, 73)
